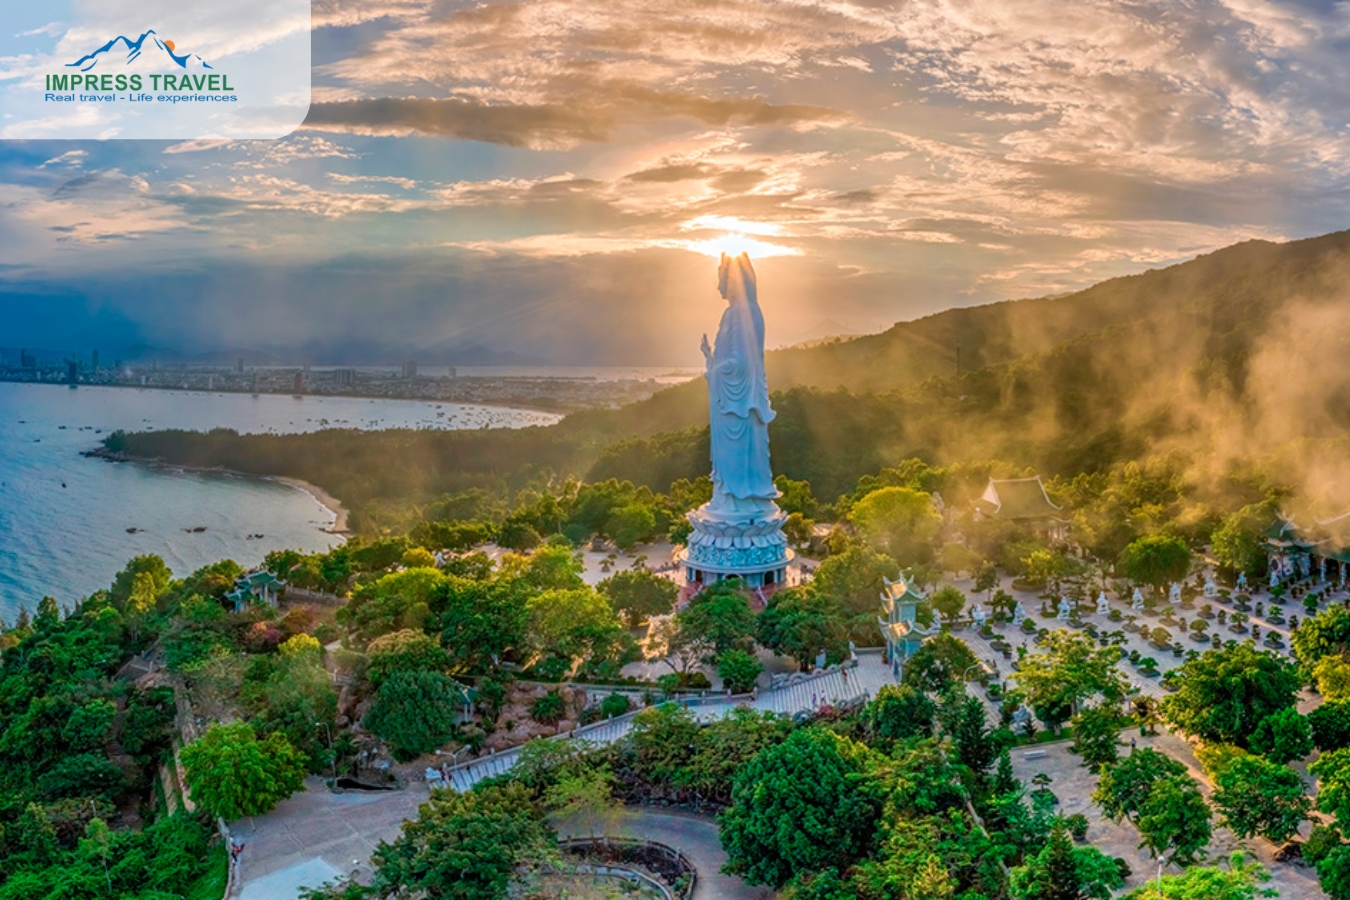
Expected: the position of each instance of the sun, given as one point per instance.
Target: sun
(734, 236)
(170, 45)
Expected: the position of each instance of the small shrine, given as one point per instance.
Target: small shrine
(255, 587)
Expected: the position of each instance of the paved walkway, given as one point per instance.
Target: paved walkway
(317, 836)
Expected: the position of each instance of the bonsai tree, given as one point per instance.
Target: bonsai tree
(1198, 628)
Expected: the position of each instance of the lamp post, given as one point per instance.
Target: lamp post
(332, 757)
(1162, 861)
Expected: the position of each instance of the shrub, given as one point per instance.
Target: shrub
(614, 705)
(549, 709)
(1078, 826)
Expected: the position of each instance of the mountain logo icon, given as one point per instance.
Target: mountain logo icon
(147, 43)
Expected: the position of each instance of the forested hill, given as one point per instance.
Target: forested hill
(1238, 359)
(1230, 294)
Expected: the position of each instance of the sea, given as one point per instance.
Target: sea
(69, 523)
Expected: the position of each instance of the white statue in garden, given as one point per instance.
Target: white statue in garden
(738, 398)
(1137, 599)
(1211, 589)
(1065, 609)
(1019, 613)
(1174, 594)
(1103, 606)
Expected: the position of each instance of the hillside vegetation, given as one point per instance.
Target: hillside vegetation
(1236, 361)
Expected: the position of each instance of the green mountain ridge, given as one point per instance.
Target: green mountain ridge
(1235, 359)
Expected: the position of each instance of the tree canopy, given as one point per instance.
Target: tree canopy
(800, 806)
(1223, 694)
(232, 774)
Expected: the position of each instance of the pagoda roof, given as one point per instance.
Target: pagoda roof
(263, 577)
(1017, 498)
(900, 589)
(1284, 533)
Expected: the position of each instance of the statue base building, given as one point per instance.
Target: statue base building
(753, 549)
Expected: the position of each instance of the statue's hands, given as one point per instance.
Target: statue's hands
(707, 350)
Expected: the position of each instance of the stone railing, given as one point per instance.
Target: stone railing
(685, 875)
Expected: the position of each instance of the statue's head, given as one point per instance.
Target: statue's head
(736, 278)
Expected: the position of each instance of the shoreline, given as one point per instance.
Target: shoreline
(320, 496)
(339, 527)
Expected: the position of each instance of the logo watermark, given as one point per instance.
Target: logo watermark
(242, 72)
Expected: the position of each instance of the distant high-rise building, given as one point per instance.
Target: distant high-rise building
(27, 360)
(299, 382)
(94, 365)
(410, 369)
(239, 365)
(72, 372)
(450, 371)
(344, 377)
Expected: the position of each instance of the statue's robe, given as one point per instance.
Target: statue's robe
(738, 396)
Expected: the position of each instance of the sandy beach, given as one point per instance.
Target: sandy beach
(325, 499)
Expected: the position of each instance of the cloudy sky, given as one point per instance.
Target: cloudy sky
(548, 178)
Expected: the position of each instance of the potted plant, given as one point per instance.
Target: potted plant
(1078, 827)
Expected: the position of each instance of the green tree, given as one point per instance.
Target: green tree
(853, 578)
(720, 617)
(484, 619)
(406, 650)
(986, 578)
(89, 726)
(554, 566)
(1332, 674)
(1240, 881)
(1061, 871)
(963, 719)
(1238, 542)
(1222, 695)
(1095, 733)
(1334, 871)
(1069, 669)
(630, 525)
(900, 522)
(1283, 737)
(570, 626)
(1257, 796)
(587, 796)
(638, 594)
(1322, 635)
(800, 622)
(125, 581)
(800, 806)
(1155, 560)
(796, 497)
(1124, 788)
(232, 774)
(949, 601)
(1333, 784)
(393, 602)
(899, 712)
(1330, 724)
(415, 712)
(1174, 820)
(738, 670)
(1044, 567)
(464, 846)
(940, 662)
